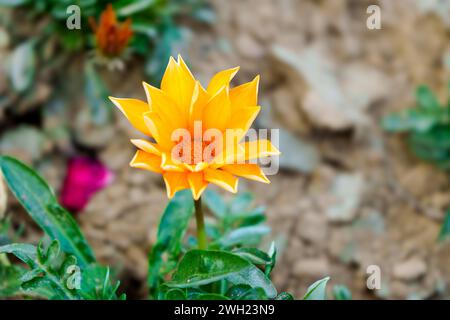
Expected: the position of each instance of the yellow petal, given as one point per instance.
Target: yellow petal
(178, 84)
(197, 184)
(146, 161)
(231, 154)
(164, 106)
(258, 149)
(199, 100)
(175, 181)
(242, 119)
(221, 178)
(245, 95)
(217, 111)
(146, 146)
(159, 130)
(184, 69)
(249, 171)
(134, 110)
(221, 79)
(196, 167)
(168, 164)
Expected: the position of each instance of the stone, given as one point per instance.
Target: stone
(297, 154)
(339, 94)
(248, 47)
(410, 269)
(346, 194)
(311, 268)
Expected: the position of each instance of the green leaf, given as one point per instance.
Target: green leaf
(201, 267)
(128, 8)
(341, 292)
(413, 119)
(253, 255)
(171, 230)
(444, 234)
(273, 259)
(10, 284)
(237, 291)
(245, 218)
(317, 291)
(24, 252)
(244, 236)
(246, 292)
(96, 283)
(22, 66)
(41, 204)
(97, 96)
(54, 274)
(211, 296)
(284, 296)
(215, 203)
(426, 99)
(48, 269)
(12, 3)
(171, 35)
(175, 294)
(241, 202)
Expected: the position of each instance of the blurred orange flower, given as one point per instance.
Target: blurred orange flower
(111, 36)
(183, 106)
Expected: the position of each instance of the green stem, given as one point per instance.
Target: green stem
(201, 233)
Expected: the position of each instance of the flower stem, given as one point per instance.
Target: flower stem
(201, 233)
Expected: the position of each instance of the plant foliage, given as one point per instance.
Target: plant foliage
(63, 266)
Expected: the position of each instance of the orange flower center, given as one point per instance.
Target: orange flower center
(195, 151)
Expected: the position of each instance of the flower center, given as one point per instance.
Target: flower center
(195, 151)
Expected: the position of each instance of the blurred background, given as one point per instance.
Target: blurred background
(349, 194)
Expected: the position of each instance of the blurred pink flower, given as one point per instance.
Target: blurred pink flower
(84, 177)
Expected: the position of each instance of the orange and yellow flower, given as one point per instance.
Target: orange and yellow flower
(183, 103)
(111, 36)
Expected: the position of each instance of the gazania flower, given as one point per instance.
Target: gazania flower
(181, 118)
(111, 36)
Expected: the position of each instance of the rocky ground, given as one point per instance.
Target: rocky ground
(347, 195)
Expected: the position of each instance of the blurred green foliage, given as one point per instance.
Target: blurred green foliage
(427, 127)
(154, 23)
(428, 130)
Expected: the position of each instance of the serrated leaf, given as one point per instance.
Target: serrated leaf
(318, 290)
(41, 204)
